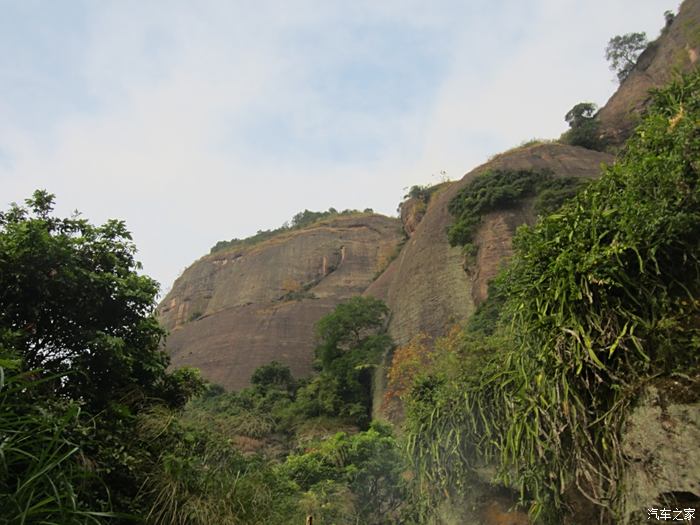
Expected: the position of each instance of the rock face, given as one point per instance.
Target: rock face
(677, 49)
(427, 287)
(661, 442)
(238, 309)
(412, 212)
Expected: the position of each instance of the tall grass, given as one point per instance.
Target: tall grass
(200, 478)
(40, 470)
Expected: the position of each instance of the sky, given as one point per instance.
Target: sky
(201, 121)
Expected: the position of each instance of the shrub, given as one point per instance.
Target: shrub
(600, 297)
(503, 189)
(583, 127)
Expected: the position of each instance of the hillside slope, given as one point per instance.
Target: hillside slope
(235, 310)
(427, 287)
(676, 50)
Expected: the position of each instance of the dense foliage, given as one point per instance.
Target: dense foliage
(503, 189)
(353, 340)
(304, 451)
(601, 298)
(300, 220)
(80, 357)
(92, 427)
(583, 127)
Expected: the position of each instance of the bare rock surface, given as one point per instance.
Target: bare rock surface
(661, 440)
(237, 309)
(412, 211)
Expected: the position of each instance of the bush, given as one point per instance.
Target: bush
(503, 189)
(600, 298)
(583, 127)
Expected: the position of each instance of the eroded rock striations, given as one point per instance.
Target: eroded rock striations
(237, 309)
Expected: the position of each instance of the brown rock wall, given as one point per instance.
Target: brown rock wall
(235, 310)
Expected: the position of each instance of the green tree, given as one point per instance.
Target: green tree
(583, 126)
(77, 308)
(76, 321)
(622, 53)
(362, 471)
(273, 375)
(352, 340)
(353, 325)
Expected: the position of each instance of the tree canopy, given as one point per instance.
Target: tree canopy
(80, 358)
(583, 126)
(352, 340)
(75, 307)
(622, 53)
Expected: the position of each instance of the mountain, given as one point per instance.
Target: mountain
(254, 301)
(244, 306)
(427, 286)
(248, 304)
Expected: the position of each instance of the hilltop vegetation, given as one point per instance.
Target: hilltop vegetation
(501, 189)
(301, 220)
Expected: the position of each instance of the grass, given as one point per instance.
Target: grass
(601, 298)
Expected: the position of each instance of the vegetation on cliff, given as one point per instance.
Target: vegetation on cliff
(584, 129)
(502, 189)
(303, 219)
(600, 298)
(622, 52)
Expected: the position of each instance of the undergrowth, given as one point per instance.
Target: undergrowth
(601, 298)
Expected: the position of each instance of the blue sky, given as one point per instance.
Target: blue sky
(202, 121)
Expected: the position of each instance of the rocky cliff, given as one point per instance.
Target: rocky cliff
(237, 309)
(676, 50)
(234, 310)
(427, 287)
